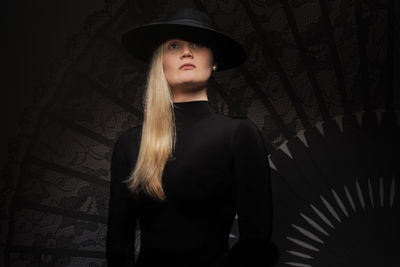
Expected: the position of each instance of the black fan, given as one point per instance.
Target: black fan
(337, 200)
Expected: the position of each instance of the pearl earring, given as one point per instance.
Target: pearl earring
(214, 67)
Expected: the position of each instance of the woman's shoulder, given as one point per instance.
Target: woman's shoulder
(126, 145)
(240, 129)
(134, 130)
(236, 121)
(129, 135)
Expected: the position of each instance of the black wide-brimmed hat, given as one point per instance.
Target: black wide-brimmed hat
(188, 24)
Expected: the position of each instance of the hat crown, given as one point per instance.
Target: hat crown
(190, 16)
(188, 24)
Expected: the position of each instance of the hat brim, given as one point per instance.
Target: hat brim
(142, 41)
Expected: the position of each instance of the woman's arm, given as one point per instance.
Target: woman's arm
(120, 243)
(253, 198)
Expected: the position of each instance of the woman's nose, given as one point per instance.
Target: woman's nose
(186, 52)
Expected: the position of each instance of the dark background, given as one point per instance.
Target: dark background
(34, 36)
(321, 83)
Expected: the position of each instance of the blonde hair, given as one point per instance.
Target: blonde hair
(158, 132)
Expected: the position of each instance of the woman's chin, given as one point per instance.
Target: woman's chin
(191, 84)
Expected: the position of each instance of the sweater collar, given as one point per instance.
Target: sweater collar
(193, 107)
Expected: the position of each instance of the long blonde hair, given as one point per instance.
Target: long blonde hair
(158, 132)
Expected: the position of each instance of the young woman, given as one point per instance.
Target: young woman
(187, 171)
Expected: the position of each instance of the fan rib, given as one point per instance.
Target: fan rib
(381, 191)
(232, 236)
(363, 63)
(350, 199)
(271, 163)
(307, 233)
(360, 195)
(79, 215)
(285, 149)
(340, 203)
(320, 127)
(337, 65)
(302, 137)
(390, 50)
(314, 224)
(359, 115)
(298, 264)
(322, 216)
(72, 173)
(306, 59)
(302, 244)
(392, 192)
(330, 209)
(398, 118)
(299, 254)
(39, 250)
(371, 195)
(267, 49)
(339, 122)
(379, 114)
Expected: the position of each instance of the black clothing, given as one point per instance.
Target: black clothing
(219, 168)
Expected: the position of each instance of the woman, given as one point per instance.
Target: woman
(187, 171)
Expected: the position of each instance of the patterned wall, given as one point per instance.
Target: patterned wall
(321, 83)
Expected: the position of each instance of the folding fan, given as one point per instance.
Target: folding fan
(337, 200)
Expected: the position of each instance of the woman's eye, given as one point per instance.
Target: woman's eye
(197, 45)
(173, 46)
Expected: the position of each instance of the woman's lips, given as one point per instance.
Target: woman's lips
(187, 66)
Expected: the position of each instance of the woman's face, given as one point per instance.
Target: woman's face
(186, 65)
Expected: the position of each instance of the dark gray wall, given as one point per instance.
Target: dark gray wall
(34, 35)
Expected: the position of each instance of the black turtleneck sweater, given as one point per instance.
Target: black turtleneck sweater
(219, 169)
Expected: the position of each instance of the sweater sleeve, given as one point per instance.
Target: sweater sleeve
(120, 242)
(253, 198)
